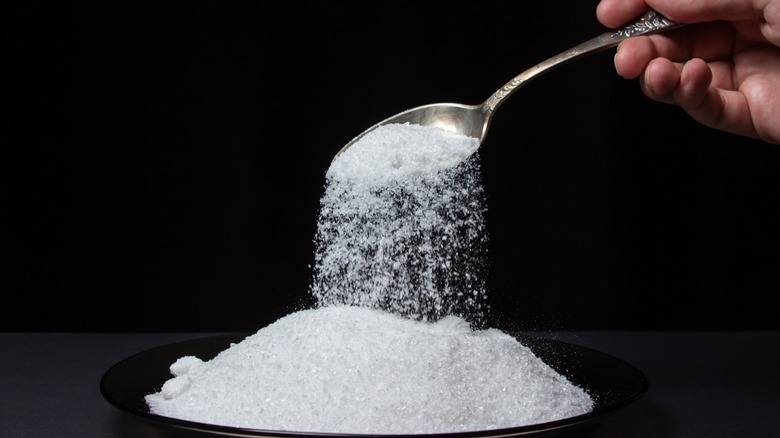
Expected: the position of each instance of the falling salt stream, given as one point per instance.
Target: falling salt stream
(402, 226)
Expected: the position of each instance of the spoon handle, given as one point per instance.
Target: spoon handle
(649, 23)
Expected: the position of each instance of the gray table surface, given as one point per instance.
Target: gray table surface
(701, 384)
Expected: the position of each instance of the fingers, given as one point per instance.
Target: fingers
(723, 109)
(661, 79)
(715, 70)
(633, 56)
(702, 90)
(698, 11)
(710, 41)
(687, 84)
(615, 13)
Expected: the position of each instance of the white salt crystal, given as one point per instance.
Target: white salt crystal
(356, 370)
(185, 364)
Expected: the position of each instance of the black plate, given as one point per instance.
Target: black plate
(611, 382)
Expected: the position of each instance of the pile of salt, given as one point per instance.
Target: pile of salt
(355, 370)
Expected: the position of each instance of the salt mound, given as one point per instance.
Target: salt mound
(357, 370)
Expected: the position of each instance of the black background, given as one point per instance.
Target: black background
(164, 163)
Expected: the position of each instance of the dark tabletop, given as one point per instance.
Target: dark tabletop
(701, 384)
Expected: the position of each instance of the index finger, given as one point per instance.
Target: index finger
(614, 13)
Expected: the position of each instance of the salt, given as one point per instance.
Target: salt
(401, 225)
(399, 153)
(346, 369)
(391, 347)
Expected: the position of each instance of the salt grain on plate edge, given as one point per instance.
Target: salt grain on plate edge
(355, 370)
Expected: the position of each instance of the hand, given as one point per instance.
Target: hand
(724, 73)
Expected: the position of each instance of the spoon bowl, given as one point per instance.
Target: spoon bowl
(474, 120)
(469, 120)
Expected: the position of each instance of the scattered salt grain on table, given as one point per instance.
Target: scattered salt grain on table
(356, 370)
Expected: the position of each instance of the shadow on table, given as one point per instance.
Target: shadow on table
(639, 420)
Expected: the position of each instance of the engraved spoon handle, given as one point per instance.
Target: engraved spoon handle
(651, 22)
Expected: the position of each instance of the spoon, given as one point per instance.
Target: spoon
(473, 120)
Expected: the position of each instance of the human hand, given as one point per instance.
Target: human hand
(724, 72)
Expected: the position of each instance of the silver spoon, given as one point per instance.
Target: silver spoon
(473, 120)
